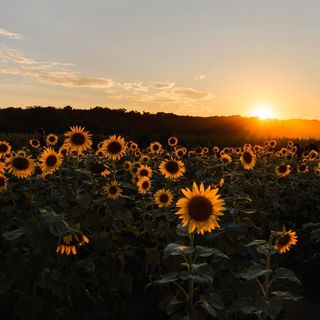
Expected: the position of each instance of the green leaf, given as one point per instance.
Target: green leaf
(254, 272)
(256, 243)
(284, 273)
(167, 278)
(216, 301)
(268, 307)
(206, 306)
(285, 295)
(244, 304)
(175, 249)
(14, 234)
(202, 279)
(202, 268)
(206, 252)
(174, 306)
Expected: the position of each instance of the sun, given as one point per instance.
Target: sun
(262, 111)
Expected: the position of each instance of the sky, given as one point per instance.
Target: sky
(192, 57)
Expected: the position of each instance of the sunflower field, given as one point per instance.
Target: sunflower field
(112, 230)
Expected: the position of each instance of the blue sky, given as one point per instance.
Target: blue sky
(201, 57)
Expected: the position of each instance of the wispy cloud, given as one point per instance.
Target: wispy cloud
(203, 76)
(162, 85)
(9, 34)
(163, 94)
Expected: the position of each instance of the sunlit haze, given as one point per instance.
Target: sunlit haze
(188, 57)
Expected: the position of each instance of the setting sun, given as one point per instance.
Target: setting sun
(263, 112)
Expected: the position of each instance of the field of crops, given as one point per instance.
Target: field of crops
(111, 230)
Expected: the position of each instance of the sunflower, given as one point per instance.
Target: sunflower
(248, 159)
(200, 208)
(144, 171)
(20, 166)
(179, 152)
(226, 158)
(113, 190)
(114, 148)
(283, 170)
(172, 141)
(313, 155)
(78, 139)
(205, 150)
(144, 158)
(50, 160)
(284, 240)
(317, 171)
(70, 242)
(5, 148)
(52, 139)
(216, 149)
(127, 165)
(172, 169)
(34, 143)
(237, 151)
(163, 198)
(3, 183)
(100, 169)
(155, 147)
(144, 185)
(302, 168)
(272, 143)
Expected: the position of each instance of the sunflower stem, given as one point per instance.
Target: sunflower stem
(190, 266)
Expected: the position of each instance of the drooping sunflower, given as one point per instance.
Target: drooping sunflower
(114, 148)
(144, 171)
(34, 143)
(99, 169)
(5, 148)
(248, 159)
(283, 170)
(200, 209)
(50, 160)
(52, 139)
(69, 243)
(78, 139)
(113, 190)
(3, 183)
(285, 240)
(163, 198)
(21, 166)
(144, 185)
(172, 169)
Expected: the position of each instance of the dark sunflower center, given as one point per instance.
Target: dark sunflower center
(20, 163)
(144, 172)
(163, 198)
(200, 208)
(78, 139)
(52, 139)
(247, 157)
(180, 153)
(284, 240)
(2, 181)
(155, 147)
(172, 140)
(225, 159)
(114, 147)
(113, 190)
(97, 168)
(303, 167)
(145, 185)
(3, 148)
(51, 160)
(172, 166)
(282, 168)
